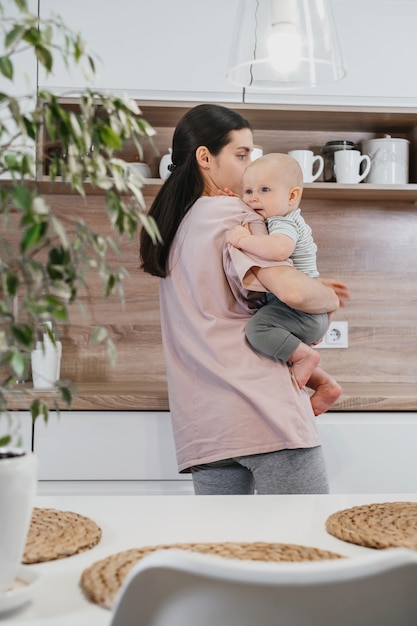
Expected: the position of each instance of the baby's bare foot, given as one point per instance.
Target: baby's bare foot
(325, 395)
(304, 361)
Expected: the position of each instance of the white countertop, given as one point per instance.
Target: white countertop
(135, 521)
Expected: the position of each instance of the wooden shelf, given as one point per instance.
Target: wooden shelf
(363, 191)
(335, 191)
(295, 117)
(325, 191)
(153, 396)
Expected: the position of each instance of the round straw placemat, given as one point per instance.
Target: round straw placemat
(102, 580)
(381, 525)
(57, 534)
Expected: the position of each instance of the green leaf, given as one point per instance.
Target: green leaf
(22, 5)
(109, 138)
(14, 35)
(38, 408)
(6, 67)
(32, 36)
(111, 282)
(23, 334)
(44, 57)
(56, 308)
(10, 283)
(18, 361)
(33, 236)
(22, 197)
(66, 395)
(5, 440)
(11, 162)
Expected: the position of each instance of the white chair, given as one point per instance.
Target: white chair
(177, 588)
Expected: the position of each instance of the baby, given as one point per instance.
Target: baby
(272, 187)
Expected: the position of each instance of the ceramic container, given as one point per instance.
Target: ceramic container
(18, 479)
(389, 160)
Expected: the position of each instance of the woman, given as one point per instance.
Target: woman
(240, 420)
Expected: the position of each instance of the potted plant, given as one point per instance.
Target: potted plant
(44, 264)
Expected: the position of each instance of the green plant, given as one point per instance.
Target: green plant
(45, 272)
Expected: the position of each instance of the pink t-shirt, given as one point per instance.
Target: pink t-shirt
(225, 399)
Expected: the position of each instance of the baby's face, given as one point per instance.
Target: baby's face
(264, 192)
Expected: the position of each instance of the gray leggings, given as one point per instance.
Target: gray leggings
(299, 471)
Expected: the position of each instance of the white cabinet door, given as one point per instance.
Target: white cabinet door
(370, 452)
(21, 426)
(108, 445)
(24, 78)
(152, 48)
(24, 83)
(379, 47)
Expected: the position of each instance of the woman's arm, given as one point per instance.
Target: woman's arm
(297, 290)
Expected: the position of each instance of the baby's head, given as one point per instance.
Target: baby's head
(273, 185)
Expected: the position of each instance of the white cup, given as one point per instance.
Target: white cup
(142, 168)
(307, 161)
(256, 153)
(45, 365)
(348, 166)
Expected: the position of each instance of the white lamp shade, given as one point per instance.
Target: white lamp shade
(284, 45)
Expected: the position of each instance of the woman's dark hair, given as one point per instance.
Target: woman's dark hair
(207, 125)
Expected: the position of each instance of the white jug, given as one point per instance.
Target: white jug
(164, 164)
(389, 160)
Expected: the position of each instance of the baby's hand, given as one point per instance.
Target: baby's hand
(227, 192)
(236, 234)
(341, 289)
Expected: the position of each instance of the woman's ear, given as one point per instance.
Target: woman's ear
(202, 156)
(295, 195)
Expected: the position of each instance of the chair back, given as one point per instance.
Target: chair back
(178, 588)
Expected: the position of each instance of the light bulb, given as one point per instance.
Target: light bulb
(285, 47)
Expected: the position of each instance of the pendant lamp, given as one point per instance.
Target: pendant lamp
(284, 44)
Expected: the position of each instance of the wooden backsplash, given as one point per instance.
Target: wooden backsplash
(373, 248)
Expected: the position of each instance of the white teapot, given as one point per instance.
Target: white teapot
(164, 164)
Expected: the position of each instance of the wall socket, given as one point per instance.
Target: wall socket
(336, 336)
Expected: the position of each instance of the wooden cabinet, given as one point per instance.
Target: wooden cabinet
(280, 128)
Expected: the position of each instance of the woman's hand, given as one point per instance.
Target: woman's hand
(340, 289)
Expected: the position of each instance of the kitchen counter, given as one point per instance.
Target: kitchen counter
(153, 396)
(136, 521)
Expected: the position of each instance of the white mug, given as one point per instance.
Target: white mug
(256, 153)
(307, 160)
(348, 166)
(45, 364)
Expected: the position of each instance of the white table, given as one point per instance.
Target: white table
(135, 521)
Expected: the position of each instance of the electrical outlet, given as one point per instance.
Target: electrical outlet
(336, 336)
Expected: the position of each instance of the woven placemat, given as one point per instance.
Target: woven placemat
(57, 534)
(381, 525)
(102, 580)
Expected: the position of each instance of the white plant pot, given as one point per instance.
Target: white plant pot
(18, 480)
